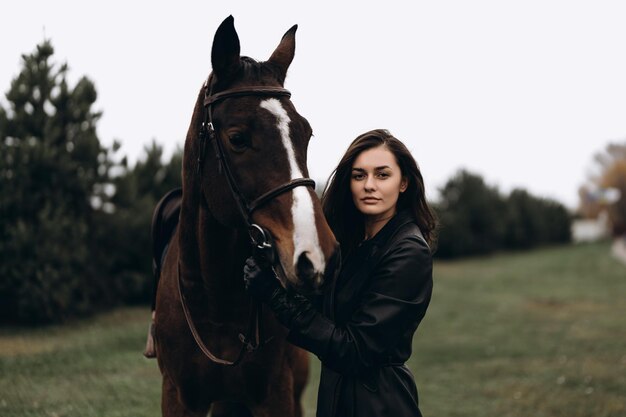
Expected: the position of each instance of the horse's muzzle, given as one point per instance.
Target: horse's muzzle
(312, 281)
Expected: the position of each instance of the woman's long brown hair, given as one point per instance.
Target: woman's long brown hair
(343, 217)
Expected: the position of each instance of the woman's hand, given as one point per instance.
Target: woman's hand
(260, 282)
(291, 309)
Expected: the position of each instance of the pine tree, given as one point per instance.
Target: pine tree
(53, 179)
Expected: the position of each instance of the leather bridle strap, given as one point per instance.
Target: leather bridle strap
(271, 194)
(246, 91)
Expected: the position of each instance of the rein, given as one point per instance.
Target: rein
(260, 238)
(248, 345)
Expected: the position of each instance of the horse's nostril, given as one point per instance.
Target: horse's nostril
(305, 267)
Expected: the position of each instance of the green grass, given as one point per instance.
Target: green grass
(90, 368)
(539, 333)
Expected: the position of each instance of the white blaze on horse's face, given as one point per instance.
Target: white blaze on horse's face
(305, 239)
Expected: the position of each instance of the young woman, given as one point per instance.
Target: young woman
(362, 333)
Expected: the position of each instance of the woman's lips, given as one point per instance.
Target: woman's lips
(370, 200)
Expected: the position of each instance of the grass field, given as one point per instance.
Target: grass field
(540, 333)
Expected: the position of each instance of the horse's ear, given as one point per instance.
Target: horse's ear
(225, 52)
(284, 52)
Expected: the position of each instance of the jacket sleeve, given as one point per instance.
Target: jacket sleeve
(394, 303)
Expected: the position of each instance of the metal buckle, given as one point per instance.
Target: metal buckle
(259, 236)
(261, 239)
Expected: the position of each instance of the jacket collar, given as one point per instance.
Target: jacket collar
(401, 218)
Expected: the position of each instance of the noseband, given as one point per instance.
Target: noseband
(207, 132)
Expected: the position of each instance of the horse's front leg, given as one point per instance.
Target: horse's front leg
(279, 400)
(299, 364)
(171, 406)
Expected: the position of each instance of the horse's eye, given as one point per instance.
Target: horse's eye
(238, 141)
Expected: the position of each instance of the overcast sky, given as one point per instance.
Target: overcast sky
(522, 92)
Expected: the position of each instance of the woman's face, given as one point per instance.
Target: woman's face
(376, 183)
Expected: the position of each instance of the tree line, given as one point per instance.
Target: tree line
(476, 219)
(75, 216)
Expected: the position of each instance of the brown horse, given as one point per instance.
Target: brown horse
(244, 173)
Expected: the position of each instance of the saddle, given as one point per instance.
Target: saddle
(164, 222)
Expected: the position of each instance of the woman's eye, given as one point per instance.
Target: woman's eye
(358, 177)
(383, 175)
(238, 141)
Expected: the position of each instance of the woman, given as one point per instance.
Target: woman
(376, 205)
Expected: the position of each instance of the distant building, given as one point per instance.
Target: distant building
(591, 230)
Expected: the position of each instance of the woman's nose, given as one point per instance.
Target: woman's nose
(370, 184)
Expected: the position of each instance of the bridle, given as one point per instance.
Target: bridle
(260, 238)
(207, 132)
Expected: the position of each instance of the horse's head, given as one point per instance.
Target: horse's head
(257, 141)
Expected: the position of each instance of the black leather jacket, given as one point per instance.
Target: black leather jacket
(363, 336)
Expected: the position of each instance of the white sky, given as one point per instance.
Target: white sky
(521, 92)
